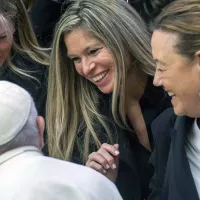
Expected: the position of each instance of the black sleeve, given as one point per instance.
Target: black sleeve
(161, 133)
(155, 183)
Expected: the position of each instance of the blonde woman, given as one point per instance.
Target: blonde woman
(100, 91)
(22, 61)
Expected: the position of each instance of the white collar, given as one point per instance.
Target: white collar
(194, 137)
(15, 152)
(195, 129)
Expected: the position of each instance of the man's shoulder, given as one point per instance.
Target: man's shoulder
(71, 171)
(83, 179)
(44, 178)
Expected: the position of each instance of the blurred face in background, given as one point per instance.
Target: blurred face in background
(6, 39)
(176, 73)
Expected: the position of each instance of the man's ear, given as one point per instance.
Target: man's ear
(41, 126)
(197, 57)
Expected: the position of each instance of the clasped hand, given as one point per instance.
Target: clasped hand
(105, 160)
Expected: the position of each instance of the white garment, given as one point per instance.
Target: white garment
(193, 153)
(25, 174)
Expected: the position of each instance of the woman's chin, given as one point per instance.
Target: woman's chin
(178, 111)
(106, 89)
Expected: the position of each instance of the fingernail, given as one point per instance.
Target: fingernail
(107, 166)
(116, 152)
(104, 171)
(113, 166)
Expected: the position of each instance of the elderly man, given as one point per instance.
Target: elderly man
(28, 175)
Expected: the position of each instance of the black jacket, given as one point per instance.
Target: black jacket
(134, 172)
(172, 179)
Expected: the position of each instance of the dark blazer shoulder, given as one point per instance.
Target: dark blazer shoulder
(163, 123)
(161, 130)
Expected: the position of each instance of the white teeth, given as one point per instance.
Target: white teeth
(171, 94)
(99, 77)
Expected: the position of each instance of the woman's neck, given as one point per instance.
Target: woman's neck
(135, 85)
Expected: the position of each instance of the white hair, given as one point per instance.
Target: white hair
(28, 135)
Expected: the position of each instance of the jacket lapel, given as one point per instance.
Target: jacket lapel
(183, 179)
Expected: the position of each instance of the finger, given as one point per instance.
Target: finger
(97, 167)
(110, 149)
(110, 159)
(98, 158)
(116, 157)
(116, 146)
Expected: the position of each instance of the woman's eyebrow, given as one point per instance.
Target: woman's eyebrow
(89, 46)
(159, 61)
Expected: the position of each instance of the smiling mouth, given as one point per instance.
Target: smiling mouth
(100, 77)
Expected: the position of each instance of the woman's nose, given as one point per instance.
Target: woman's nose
(157, 81)
(87, 67)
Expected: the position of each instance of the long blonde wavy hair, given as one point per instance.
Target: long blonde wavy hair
(14, 12)
(72, 102)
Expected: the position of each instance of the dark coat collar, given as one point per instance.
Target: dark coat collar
(181, 169)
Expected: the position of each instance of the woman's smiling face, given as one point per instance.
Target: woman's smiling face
(91, 58)
(179, 75)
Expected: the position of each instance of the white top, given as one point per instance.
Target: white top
(28, 175)
(193, 153)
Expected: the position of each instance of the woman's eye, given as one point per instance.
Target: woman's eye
(94, 51)
(76, 59)
(160, 70)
